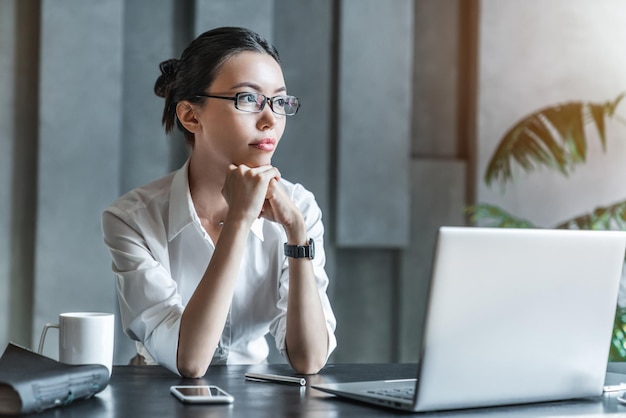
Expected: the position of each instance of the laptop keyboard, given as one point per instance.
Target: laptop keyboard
(401, 393)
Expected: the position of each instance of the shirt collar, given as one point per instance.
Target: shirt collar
(182, 211)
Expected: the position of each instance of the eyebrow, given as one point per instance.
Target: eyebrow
(256, 87)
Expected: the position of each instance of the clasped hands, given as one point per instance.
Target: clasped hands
(254, 192)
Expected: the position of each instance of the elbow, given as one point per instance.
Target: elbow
(308, 370)
(191, 364)
(308, 365)
(191, 370)
(306, 359)
(192, 373)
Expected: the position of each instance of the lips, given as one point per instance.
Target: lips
(265, 144)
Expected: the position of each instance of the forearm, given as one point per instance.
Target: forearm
(204, 317)
(306, 335)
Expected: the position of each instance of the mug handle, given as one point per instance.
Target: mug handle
(43, 335)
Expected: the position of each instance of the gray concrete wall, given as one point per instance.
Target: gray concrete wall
(148, 40)
(374, 95)
(18, 165)
(80, 97)
(7, 124)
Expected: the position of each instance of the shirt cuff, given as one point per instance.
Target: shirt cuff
(163, 344)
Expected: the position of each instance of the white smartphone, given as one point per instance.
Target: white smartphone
(201, 394)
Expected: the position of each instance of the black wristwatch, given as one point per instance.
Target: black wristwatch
(301, 251)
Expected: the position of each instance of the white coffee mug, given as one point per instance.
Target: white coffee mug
(84, 338)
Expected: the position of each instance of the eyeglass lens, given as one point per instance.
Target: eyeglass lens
(255, 102)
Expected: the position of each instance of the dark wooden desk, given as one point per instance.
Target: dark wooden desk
(143, 391)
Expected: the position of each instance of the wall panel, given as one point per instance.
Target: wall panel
(375, 74)
(148, 40)
(437, 198)
(436, 79)
(253, 14)
(79, 139)
(365, 302)
(7, 70)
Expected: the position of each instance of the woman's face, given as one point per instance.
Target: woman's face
(234, 136)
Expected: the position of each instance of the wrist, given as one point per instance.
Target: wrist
(296, 232)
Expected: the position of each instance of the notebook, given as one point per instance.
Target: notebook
(514, 316)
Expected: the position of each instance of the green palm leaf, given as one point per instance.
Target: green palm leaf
(494, 216)
(553, 136)
(609, 217)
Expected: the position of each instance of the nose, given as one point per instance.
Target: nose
(267, 118)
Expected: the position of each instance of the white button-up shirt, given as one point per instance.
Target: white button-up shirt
(160, 252)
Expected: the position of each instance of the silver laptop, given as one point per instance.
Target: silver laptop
(514, 316)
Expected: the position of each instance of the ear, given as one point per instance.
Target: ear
(186, 113)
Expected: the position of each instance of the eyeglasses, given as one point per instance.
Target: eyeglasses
(255, 103)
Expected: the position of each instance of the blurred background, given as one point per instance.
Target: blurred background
(404, 103)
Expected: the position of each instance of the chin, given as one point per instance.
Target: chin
(256, 162)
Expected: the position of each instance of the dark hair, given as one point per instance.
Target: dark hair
(184, 78)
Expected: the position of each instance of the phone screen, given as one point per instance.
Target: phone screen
(199, 391)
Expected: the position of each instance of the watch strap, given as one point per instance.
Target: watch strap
(301, 251)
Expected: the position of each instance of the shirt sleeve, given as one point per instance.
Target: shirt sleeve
(315, 230)
(150, 305)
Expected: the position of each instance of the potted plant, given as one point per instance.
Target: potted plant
(555, 137)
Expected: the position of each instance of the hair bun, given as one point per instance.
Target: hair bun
(168, 68)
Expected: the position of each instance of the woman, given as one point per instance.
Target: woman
(213, 256)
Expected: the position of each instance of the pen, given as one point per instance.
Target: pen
(615, 388)
(276, 378)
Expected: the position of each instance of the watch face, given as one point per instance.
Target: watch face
(311, 249)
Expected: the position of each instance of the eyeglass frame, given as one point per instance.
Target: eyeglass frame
(267, 100)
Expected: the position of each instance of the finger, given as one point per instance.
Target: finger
(273, 172)
(271, 189)
(264, 174)
(241, 168)
(267, 212)
(262, 169)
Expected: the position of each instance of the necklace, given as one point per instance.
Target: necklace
(208, 219)
(212, 224)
